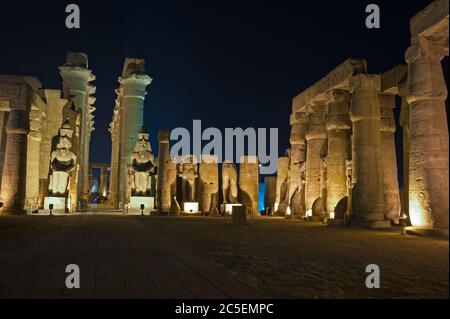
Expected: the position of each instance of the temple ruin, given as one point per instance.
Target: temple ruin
(340, 166)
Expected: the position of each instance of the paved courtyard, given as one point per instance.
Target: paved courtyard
(160, 257)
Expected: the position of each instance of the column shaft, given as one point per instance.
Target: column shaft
(338, 126)
(429, 154)
(367, 195)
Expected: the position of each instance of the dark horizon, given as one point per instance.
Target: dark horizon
(228, 64)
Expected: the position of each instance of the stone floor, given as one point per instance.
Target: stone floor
(199, 257)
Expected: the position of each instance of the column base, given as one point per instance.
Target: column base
(373, 224)
(434, 232)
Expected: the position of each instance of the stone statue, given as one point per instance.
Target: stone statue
(349, 174)
(229, 183)
(62, 162)
(187, 169)
(142, 166)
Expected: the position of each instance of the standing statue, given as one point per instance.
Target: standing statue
(142, 166)
(187, 169)
(62, 162)
(349, 174)
(229, 183)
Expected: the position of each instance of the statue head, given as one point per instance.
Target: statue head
(228, 164)
(64, 144)
(142, 144)
(65, 135)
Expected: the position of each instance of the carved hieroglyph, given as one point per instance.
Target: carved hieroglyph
(427, 91)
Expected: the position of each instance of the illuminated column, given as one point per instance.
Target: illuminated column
(316, 138)
(76, 77)
(248, 182)
(388, 157)
(50, 125)
(299, 124)
(132, 117)
(367, 195)
(338, 126)
(103, 181)
(72, 115)
(405, 124)
(282, 179)
(428, 155)
(114, 129)
(33, 160)
(14, 167)
(167, 174)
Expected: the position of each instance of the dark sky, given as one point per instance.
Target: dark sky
(229, 63)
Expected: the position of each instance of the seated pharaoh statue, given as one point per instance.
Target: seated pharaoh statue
(62, 162)
(142, 166)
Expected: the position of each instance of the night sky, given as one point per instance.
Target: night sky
(228, 63)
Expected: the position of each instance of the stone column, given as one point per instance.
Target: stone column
(428, 155)
(391, 191)
(316, 138)
(248, 182)
(338, 126)
(132, 117)
(72, 115)
(50, 125)
(208, 177)
(103, 185)
(166, 183)
(76, 77)
(270, 194)
(282, 178)
(33, 160)
(14, 168)
(297, 158)
(405, 124)
(114, 129)
(367, 194)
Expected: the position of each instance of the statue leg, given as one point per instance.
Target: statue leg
(225, 189)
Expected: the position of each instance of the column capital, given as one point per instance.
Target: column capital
(337, 95)
(426, 48)
(367, 81)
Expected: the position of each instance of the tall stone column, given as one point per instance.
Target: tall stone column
(14, 167)
(208, 183)
(166, 183)
(248, 182)
(297, 158)
(405, 124)
(132, 117)
(391, 192)
(72, 115)
(52, 120)
(270, 193)
(338, 126)
(316, 138)
(367, 194)
(282, 179)
(76, 77)
(33, 160)
(103, 185)
(428, 155)
(114, 129)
